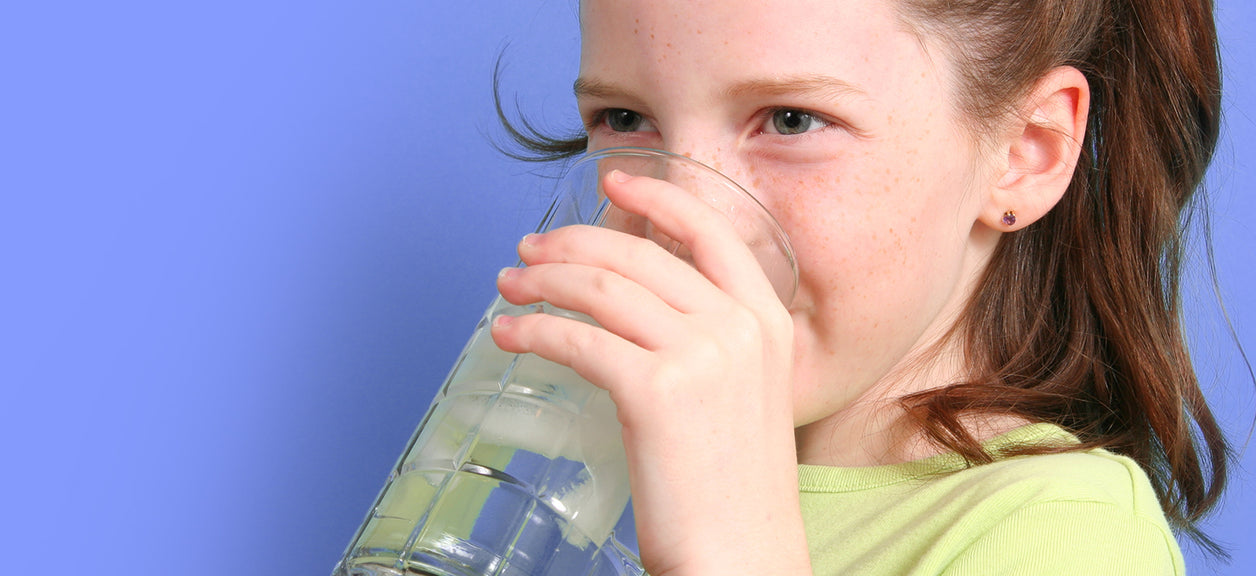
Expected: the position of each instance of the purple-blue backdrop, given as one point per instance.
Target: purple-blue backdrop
(241, 243)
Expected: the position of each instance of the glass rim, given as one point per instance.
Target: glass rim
(777, 230)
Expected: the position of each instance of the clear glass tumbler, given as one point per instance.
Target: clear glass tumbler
(518, 468)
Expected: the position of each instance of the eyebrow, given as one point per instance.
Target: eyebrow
(808, 84)
(590, 88)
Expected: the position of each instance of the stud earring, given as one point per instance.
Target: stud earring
(1009, 218)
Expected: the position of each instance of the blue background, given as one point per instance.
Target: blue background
(241, 243)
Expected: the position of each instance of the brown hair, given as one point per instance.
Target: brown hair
(1076, 320)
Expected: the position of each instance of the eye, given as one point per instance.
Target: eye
(790, 121)
(623, 120)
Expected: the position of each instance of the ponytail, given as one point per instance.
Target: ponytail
(1077, 320)
(1157, 84)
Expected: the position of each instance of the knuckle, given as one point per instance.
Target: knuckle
(742, 320)
(604, 284)
(576, 340)
(708, 352)
(665, 379)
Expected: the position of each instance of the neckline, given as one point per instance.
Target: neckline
(820, 479)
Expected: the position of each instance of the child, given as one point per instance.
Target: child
(983, 370)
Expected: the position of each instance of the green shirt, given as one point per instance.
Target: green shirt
(1087, 512)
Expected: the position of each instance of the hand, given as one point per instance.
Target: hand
(698, 361)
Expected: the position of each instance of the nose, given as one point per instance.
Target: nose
(722, 153)
(702, 145)
(706, 146)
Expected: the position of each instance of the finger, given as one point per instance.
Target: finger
(618, 304)
(675, 282)
(602, 358)
(719, 251)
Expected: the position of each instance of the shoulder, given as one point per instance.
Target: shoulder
(1086, 512)
(1094, 476)
(1083, 512)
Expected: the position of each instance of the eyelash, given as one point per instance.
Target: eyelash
(602, 119)
(770, 116)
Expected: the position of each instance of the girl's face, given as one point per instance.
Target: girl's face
(839, 121)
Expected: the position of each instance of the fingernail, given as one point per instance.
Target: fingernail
(503, 321)
(507, 272)
(619, 176)
(529, 240)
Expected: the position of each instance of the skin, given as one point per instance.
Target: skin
(893, 210)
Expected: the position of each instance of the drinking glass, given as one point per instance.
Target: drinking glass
(518, 467)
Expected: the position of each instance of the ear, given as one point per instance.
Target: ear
(1042, 146)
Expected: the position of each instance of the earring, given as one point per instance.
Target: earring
(1009, 218)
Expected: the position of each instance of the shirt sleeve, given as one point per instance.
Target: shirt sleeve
(1070, 537)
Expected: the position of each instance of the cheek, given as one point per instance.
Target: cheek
(869, 220)
(880, 240)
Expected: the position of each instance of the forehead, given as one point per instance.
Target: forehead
(863, 42)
